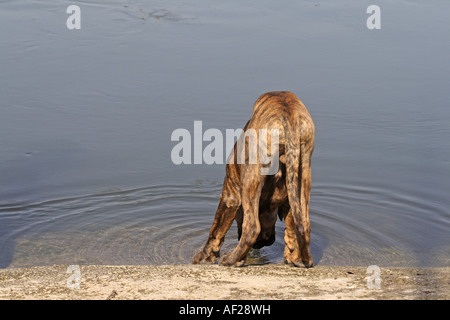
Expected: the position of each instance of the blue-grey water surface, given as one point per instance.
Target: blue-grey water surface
(86, 118)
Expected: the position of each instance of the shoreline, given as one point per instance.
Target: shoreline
(213, 282)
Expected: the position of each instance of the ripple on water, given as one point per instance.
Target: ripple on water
(169, 224)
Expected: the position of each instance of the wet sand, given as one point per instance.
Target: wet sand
(198, 282)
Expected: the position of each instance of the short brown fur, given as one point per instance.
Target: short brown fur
(255, 200)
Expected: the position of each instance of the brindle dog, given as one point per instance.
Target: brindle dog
(255, 200)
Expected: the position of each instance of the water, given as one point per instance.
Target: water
(87, 115)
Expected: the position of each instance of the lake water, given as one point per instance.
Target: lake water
(86, 175)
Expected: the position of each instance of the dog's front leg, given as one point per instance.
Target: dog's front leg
(222, 222)
(228, 206)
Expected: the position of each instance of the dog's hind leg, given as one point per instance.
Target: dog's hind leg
(251, 190)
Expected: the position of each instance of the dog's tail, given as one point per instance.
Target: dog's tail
(293, 168)
(298, 184)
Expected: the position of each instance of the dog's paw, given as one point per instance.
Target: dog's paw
(230, 261)
(203, 256)
(300, 263)
(199, 257)
(227, 260)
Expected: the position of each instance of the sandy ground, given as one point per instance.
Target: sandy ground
(198, 282)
